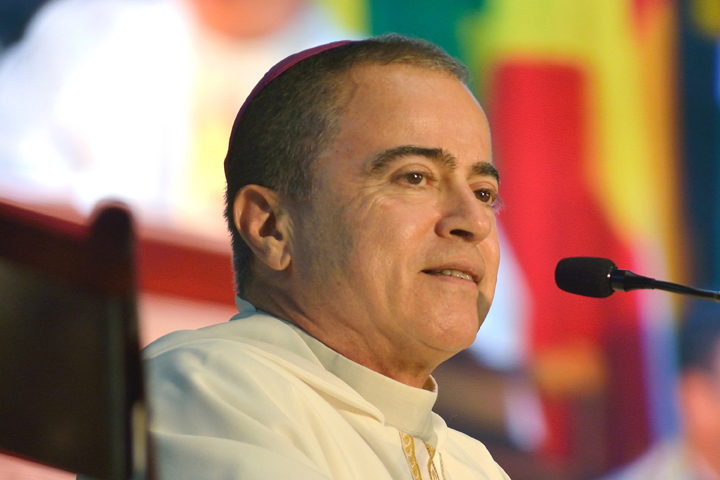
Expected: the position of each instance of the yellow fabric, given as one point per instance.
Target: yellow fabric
(353, 15)
(212, 121)
(632, 169)
(706, 15)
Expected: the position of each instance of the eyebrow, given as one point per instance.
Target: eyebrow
(485, 169)
(438, 155)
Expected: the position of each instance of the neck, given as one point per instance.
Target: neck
(376, 353)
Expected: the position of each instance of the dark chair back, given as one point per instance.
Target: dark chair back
(71, 389)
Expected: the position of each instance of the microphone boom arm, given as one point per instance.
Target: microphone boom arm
(625, 280)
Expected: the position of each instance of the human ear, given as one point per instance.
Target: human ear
(263, 224)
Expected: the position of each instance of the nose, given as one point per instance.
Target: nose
(465, 217)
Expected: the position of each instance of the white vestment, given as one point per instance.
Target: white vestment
(258, 398)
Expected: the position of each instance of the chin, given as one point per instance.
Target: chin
(458, 331)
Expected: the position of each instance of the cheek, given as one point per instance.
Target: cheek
(406, 220)
(388, 242)
(324, 243)
(490, 249)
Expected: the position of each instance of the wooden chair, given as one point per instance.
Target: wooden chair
(71, 387)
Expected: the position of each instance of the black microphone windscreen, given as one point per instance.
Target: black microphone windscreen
(587, 276)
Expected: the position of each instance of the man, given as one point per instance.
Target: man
(695, 453)
(361, 200)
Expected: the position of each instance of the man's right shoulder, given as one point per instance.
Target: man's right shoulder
(260, 331)
(253, 347)
(190, 372)
(252, 350)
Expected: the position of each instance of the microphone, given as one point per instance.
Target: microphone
(600, 278)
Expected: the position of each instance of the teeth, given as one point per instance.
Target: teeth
(457, 273)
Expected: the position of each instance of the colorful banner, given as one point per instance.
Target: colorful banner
(581, 103)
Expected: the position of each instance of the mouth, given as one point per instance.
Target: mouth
(454, 273)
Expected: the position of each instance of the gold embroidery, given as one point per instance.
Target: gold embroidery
(408, 444)
(432, 469)
(442, 467)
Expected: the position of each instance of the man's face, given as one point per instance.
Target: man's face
(395, 256)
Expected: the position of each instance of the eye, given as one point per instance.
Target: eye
(487, 196)
(415, 178)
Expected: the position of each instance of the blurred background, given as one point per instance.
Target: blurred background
(605, 116)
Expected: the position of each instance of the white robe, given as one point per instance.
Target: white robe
(258, 398)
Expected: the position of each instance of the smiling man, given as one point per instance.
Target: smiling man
(361, 198)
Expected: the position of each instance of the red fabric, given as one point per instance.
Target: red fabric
(9, 209)
(540, 122)
(642, 10)
(162, 268)
(186, 272)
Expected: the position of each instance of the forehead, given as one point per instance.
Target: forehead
(389, 106)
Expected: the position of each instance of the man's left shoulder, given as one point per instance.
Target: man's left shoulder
(470, 455)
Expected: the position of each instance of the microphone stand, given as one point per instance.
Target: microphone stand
(625, 280)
